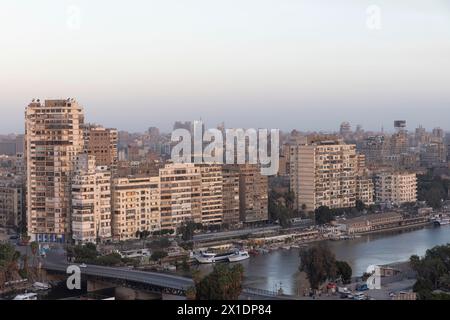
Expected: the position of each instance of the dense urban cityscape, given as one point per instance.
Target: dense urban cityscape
(216, 159)
(114, 204)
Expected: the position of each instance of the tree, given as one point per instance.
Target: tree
(158, 255)
(360, 206)
(323, 215)
(432, 189)
(161, 243)
(9, 258)
(84, 253)
(432, 272)
(112, 259)
(223, 283)
(34, 251)
(281, 207)
(187, 230)
(319, 264)
(344, 270)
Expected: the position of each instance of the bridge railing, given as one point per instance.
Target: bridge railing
(261, 292)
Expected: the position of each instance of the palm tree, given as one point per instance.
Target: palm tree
(34, 250)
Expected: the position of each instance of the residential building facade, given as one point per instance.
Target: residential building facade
(136, 206)
(91, 201)
(395, 188)
(53, 139)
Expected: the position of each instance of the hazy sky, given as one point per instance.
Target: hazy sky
(252, 63)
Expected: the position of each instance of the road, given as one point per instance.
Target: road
(232, 234)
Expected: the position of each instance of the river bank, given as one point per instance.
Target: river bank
(280, 268)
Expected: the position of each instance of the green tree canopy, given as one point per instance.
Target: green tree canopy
(158, 255)
(323, 215)
(344, 271)
(319, 264)
(433, 271)
(223, 283)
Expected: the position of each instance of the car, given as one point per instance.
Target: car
(362, 287)
(83, 265)
(331, 285)
(350, 296)
(359, 296)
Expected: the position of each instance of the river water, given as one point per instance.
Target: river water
(280, 267)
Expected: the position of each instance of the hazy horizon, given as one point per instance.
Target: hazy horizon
(288, 64)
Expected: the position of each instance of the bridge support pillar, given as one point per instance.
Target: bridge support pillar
(95, 285)
(122, 293)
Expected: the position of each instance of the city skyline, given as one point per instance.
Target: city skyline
(313, 64)
(389, 128)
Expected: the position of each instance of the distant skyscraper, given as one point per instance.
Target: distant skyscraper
(345, 129)
(53, 139)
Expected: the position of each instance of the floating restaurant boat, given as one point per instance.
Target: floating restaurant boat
(211, 257)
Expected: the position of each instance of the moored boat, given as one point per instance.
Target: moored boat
(239, 256)
(211, 257)
(441, 221)
(41, 286)
(26, 296)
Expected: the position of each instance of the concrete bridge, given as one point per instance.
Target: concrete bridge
(151, 281)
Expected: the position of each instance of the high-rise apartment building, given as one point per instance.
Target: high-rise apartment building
(53, 139)
(101, 143)
(230, 195)
(253, 194)
(136, 206)
(323, 173)
(181, 190)
(12, 203)
(211, 194)
(376, 149)
(364, 182)
(395, 188)
(91, 201)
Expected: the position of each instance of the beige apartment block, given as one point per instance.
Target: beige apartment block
(211, 194)
(395, 188)
(253, 194)
(230, 195)
(91, 201)
(181, 194)
(364, 184)
(323, 173)
(365, 191)
(11, 204)
(101, 143)
(53, 139)
(136, 206)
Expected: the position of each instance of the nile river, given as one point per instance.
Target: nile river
(281, 266)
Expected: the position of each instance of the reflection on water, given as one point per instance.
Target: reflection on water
(281, 266)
